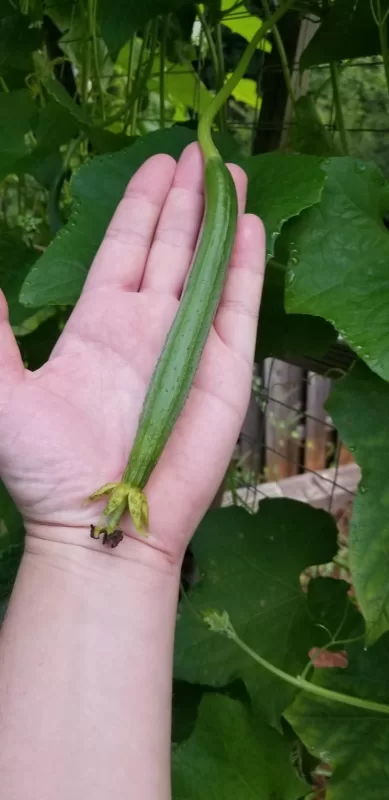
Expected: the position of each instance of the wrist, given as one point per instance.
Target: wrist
(53, 543)
(73, 551)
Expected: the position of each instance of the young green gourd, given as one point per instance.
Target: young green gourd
(177, 365)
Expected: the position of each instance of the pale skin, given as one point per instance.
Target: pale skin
(86, 646)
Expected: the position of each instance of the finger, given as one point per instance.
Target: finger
(240, 180)
(122, 255)
(11, 364)
(178, 229)
(237, 317)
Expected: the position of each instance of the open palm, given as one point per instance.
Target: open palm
(67, 428)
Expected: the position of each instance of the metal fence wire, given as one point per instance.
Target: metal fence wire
(288, 446)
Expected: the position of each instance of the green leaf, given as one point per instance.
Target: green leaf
(64, 119)
(246, 91)
(58, 276)
(308, 134)
(59, 93)
(11, 542)
(104, 141)
(250, 567)
(132, 16)
(282, 335)
(244, 24)
(37, 346)
(359, 406)
(16, 112)
(186, 701)
(15, 262)
(17, 39)
(333, 611)
(55, 125)
(182, 85)
(231, 755)
(280, 187)
(339, 254)
(355, 742)
(347, 31)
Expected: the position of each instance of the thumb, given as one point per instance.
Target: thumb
(11, 364)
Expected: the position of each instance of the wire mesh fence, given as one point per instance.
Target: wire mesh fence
(289, 446)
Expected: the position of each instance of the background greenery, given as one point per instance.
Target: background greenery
(88, 90)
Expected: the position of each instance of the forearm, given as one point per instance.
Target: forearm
(85, 676)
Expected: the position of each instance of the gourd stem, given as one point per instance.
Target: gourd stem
(302, 684)
(207, 145)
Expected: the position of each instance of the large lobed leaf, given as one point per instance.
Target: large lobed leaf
(339, 255)
(250, 567)
(280, 187)
(359, 407)
(232, 754)
(282, 335)
(354, 741)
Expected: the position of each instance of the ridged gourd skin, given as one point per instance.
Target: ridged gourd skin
(176, 368)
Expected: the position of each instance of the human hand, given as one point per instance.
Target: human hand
(67, 428)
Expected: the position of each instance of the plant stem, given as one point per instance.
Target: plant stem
(92, 13)
(162, 58)
(130, 72)
(85, 59)
(53, 209)
(214, 58)
(144, 70)
(351, 640)
(204, 130)
(338, 108)
(133, 99)
(222, 71)
(311, 688)
(282, 55)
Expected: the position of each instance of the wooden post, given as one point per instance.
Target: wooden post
(317, 424)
